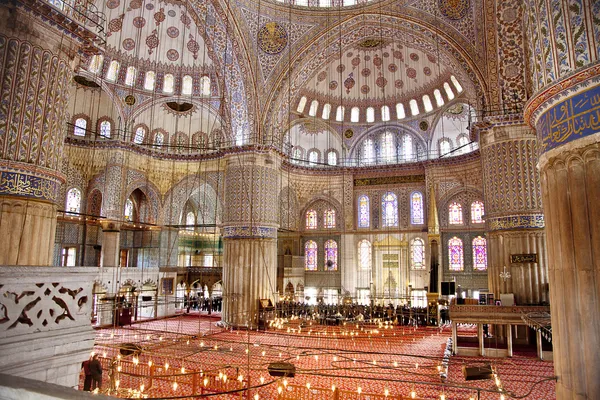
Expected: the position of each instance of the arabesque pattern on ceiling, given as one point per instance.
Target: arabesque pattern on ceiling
(384, 27)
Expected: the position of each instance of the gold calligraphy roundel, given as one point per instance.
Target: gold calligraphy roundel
(272, 38)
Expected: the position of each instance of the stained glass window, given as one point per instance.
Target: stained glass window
(80, 127)
(311, 219)
(74, 200)
(128, 210)
(331, 255)
(113, 70)
(364, 254)
(477, 212)
(388, 149)
(96, 63)
(389, 208)
(168, 83)
(407, 147)
(205, 85)
(310, 256)
(368, 151)
(479, 254)
(150, 80)
(455, 216)
(455, 254)
(159, 139)
(187, 85)
(329, 218)
(332, 158)
(130, 76)
(364, 219)
(444, 146)
(105, 129)
(418, 254)
(190, 220)
(140, 132)
(416, 208)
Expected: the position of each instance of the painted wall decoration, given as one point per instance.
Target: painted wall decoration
(272, 38)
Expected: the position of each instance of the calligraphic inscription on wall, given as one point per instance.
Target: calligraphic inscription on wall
(272, 38)
(523, 258)
(19, 184)
(571, 119)
(389, 180)
(535, 221)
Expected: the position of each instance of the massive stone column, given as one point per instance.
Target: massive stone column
(249, 235)
(565, 112)
(35, 74)
(513, 210)
(45, 332)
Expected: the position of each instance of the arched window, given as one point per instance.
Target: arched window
(370, 114)
(190, 221)
(385, 113)
(400, 114)
(477, 212)
(368, 151)
(332, 158)
(389, 209)
(449, 91)
(310, 256)
(128, 210)
(140, 133)
(96, 63)
(427, 103)
(407, 147)
(113, 71)
(414, 107)
(364, 216)
(455, 215)
(311, 219)
(326, 111)
(354, 114)
(130, 76)
(439, 100)
(150, 80)
(455, 254)
(417, 254)
(479, 254)
(80, 127)
(339, 113)
(364, 254)
(314, 105)
(297, 154)
(416, 209)
(159, 139)
(444, 146)
(301, 104)
(73, 201)
(105, 129)
(457, 85)
(187, 85)
(329, 218)
(168, 83)
(463, 141)
(313, 157)
(388, 148)
(205, 86)
(331, 255)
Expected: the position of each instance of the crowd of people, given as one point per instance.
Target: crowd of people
(328, 313)
(197, 303)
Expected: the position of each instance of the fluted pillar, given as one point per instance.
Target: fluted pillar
(35, 74)
(513, 211)
(565, 112)
(249, 236)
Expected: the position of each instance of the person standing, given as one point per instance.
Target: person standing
(87, 382)
(96, 372)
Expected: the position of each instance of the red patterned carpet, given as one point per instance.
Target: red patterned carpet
(189, 355)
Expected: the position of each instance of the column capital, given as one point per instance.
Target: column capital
(109, 225)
